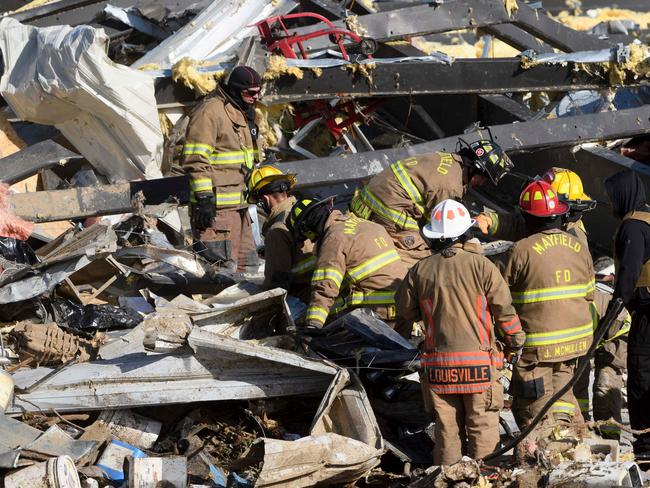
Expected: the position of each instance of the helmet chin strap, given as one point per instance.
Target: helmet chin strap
(264, 204)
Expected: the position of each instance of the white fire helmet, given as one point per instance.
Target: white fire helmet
(449, 219)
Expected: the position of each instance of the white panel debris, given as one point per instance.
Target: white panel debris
(62, 76)
(216, 33)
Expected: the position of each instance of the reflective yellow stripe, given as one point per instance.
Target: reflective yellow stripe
(610, 430)
(407, 183)
(198, 149)
(584, 404)
(201, 184)
(229, 199)
(304, 266)
(372, 298)
(250, 155)
(553, 293)
(322, 274)
(317, 314)
(558, 336)
(564, 407)
(245, 156)
(398, 218)
(625, 328)
(339, 305)
(372, 265)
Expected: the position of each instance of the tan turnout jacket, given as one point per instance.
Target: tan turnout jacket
(288, 265)
(219, 150)
(551, 278)
(356, 262)
(402, 195)
(465, 304)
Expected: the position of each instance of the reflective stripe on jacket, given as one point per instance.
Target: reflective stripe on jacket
(551, 278)
(356, 259)
(464, 303)
(219, 151)
(289, 264)
(402, 194)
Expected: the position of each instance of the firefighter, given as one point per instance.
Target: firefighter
(609, 359)
(627, 194)
(458, 293)
(288, 264)
(568, 185)
(221, 148)
(356, 262)
(551, 278)
(401, 196)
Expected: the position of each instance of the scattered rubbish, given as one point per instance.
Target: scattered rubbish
(113, 459)
(151, 472)
(130, 357)
(131, 428)
(597, 475)
(48, 344)
(59, 472)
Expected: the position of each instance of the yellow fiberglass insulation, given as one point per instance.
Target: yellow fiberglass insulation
(271, 120)
(638, 65)
(277, 66)
(185, 72)
(586, 22)
(459, 49)
(511, 6)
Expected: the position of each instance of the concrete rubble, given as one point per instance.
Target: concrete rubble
(129, 360)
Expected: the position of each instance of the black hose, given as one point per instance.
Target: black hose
(613, 312)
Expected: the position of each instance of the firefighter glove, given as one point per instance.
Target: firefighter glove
(204, 210)
(483, 222)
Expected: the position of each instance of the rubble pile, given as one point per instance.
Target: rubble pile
(131, 358)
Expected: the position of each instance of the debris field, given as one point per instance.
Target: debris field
(129, 359)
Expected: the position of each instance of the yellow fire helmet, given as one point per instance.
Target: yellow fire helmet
(568, 185)
(265, 177)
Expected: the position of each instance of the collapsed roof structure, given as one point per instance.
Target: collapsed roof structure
(95, 97)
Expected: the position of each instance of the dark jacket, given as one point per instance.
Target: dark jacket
(627, 194)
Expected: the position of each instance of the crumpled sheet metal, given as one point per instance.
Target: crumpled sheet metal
(330, 459)
(18, 436)
(344, 443)
(41, 283)
(62, 76)
(617, 54)
(222, 369)
(216, 33)
(435, 57)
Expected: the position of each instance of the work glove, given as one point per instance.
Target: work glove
(483, 222)
(204, 210)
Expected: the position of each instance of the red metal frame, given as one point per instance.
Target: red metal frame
(285, 45)
(320, 108)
